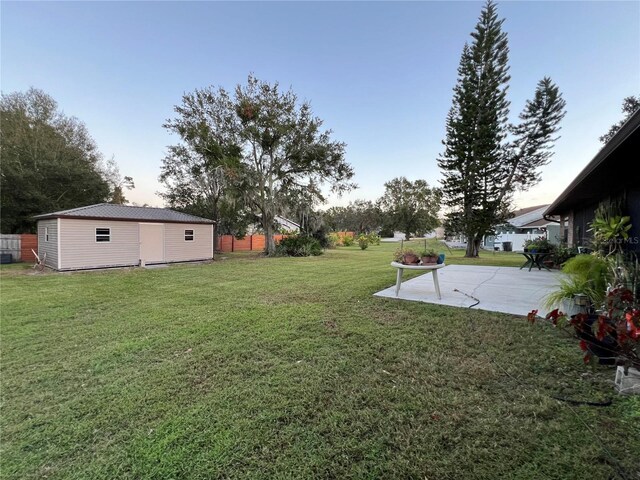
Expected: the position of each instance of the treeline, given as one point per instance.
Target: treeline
(49, 162)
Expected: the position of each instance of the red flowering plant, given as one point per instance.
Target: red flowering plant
(612, 336)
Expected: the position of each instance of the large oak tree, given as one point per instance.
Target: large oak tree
(284, 155)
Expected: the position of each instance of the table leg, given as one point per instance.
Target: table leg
(436, 284)
(398, 280)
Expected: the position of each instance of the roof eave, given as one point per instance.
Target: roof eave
(618, 139)
(48, 216)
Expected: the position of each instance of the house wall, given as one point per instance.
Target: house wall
(177, 249)
(79, 249)
(49, 247)
(633, 210)
(582, 219)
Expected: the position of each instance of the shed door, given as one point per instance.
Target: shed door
(151, 242)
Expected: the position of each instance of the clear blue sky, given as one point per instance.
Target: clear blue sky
(379, 74)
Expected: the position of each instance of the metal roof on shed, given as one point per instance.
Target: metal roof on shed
(126, 213)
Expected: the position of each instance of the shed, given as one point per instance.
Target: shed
(108, 235)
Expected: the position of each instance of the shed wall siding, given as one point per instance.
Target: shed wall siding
(50, 247)
(178, 250)
(79, 249)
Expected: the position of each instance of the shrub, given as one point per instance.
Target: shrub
(335, 240)
(373, 238)
(363, 241)
(347, 240)
(298, 246)
(562, 253)
(323, 238)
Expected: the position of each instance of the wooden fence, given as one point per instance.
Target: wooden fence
(19, 246)
(252, 243)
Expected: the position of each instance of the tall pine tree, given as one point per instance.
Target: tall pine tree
(486, 159)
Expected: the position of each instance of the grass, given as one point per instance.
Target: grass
(290, 368)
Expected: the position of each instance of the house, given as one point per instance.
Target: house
(526, 223)
(609, 176)
(287, 225)
(108, 235)
(281, 224)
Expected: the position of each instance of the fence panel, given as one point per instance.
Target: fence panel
(250, 243)
(258, 242)
(243, 245)
(28, 241)
(10, 244)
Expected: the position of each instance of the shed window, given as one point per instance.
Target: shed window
(46, 234)
(188, 235)
(103, 234)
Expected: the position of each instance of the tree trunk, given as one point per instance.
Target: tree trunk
(269, 243)
(407, 236)
(473, 246)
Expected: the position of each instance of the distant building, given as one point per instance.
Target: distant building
(525, 223)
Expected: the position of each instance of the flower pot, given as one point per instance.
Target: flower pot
(429, 260)
(628, 383)
(410, 259)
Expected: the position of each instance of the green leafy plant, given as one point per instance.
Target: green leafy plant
(609, 233)
(347, 240)
(374, 239)
(429, 252)
(562, 253)
(588, 274)
(298, 246)
(540, 244)
(363, 241)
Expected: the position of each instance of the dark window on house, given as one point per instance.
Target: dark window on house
(103, 234)
(46, 234)
(188, 235)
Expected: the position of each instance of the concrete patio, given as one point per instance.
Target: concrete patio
(499, 289)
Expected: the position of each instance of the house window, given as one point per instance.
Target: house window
(103, 234)
(46, 234)
(188, 235)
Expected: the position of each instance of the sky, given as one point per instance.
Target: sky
(379, 74)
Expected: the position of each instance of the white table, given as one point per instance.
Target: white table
(431, 267)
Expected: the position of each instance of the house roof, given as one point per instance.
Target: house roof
(529, 217)
(125, 213)
(607, 173)
(526, 216)
(284, 220)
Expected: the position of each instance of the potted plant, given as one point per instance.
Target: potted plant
(538, 245)
(609, 330)
(428, 256)
(406, 257)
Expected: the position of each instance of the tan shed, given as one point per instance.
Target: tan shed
(108, 235)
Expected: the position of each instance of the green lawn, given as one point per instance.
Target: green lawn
(290, 368)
